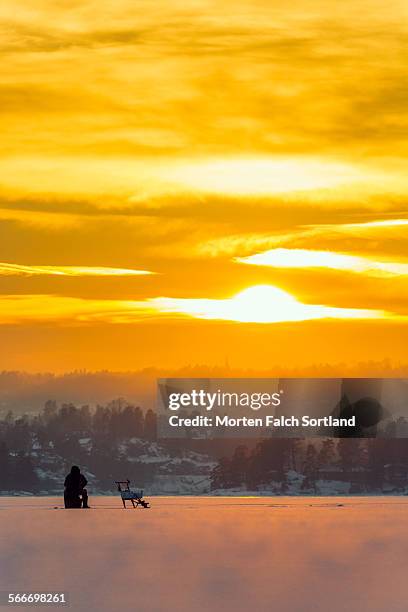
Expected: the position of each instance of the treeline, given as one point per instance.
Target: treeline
(20, 390)
(115, 421)
(364, 465)
(49, 442)
(119, 440)
(16, 469)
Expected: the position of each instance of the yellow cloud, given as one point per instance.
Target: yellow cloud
(41, 308)
(380, 224)
(302, 234)
(8, 269)
(258, 304)
(304, 258)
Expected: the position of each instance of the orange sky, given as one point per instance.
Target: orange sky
(185, 182)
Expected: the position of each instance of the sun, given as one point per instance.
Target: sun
(259, 304)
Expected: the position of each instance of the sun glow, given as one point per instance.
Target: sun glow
(262, 176)
(260, 304)
(257, 304)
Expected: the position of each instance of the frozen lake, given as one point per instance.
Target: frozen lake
(198, 554)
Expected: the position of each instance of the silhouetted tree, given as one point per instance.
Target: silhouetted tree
(327, 454)
(150, 425)
(220, 477)
(5, 468)
(24, 476)
(239, 466)
(310, 470)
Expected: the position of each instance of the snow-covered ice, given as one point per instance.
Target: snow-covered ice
(189, 554)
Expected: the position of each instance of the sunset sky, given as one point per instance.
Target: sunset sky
(197, 181)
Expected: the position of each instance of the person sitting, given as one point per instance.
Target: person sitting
(75, 494)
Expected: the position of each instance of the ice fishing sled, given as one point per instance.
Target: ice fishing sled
(135, 497)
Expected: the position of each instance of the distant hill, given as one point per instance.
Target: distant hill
(27, 392)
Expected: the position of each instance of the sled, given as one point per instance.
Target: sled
(135, 497)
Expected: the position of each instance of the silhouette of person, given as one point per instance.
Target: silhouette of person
(75, 494)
